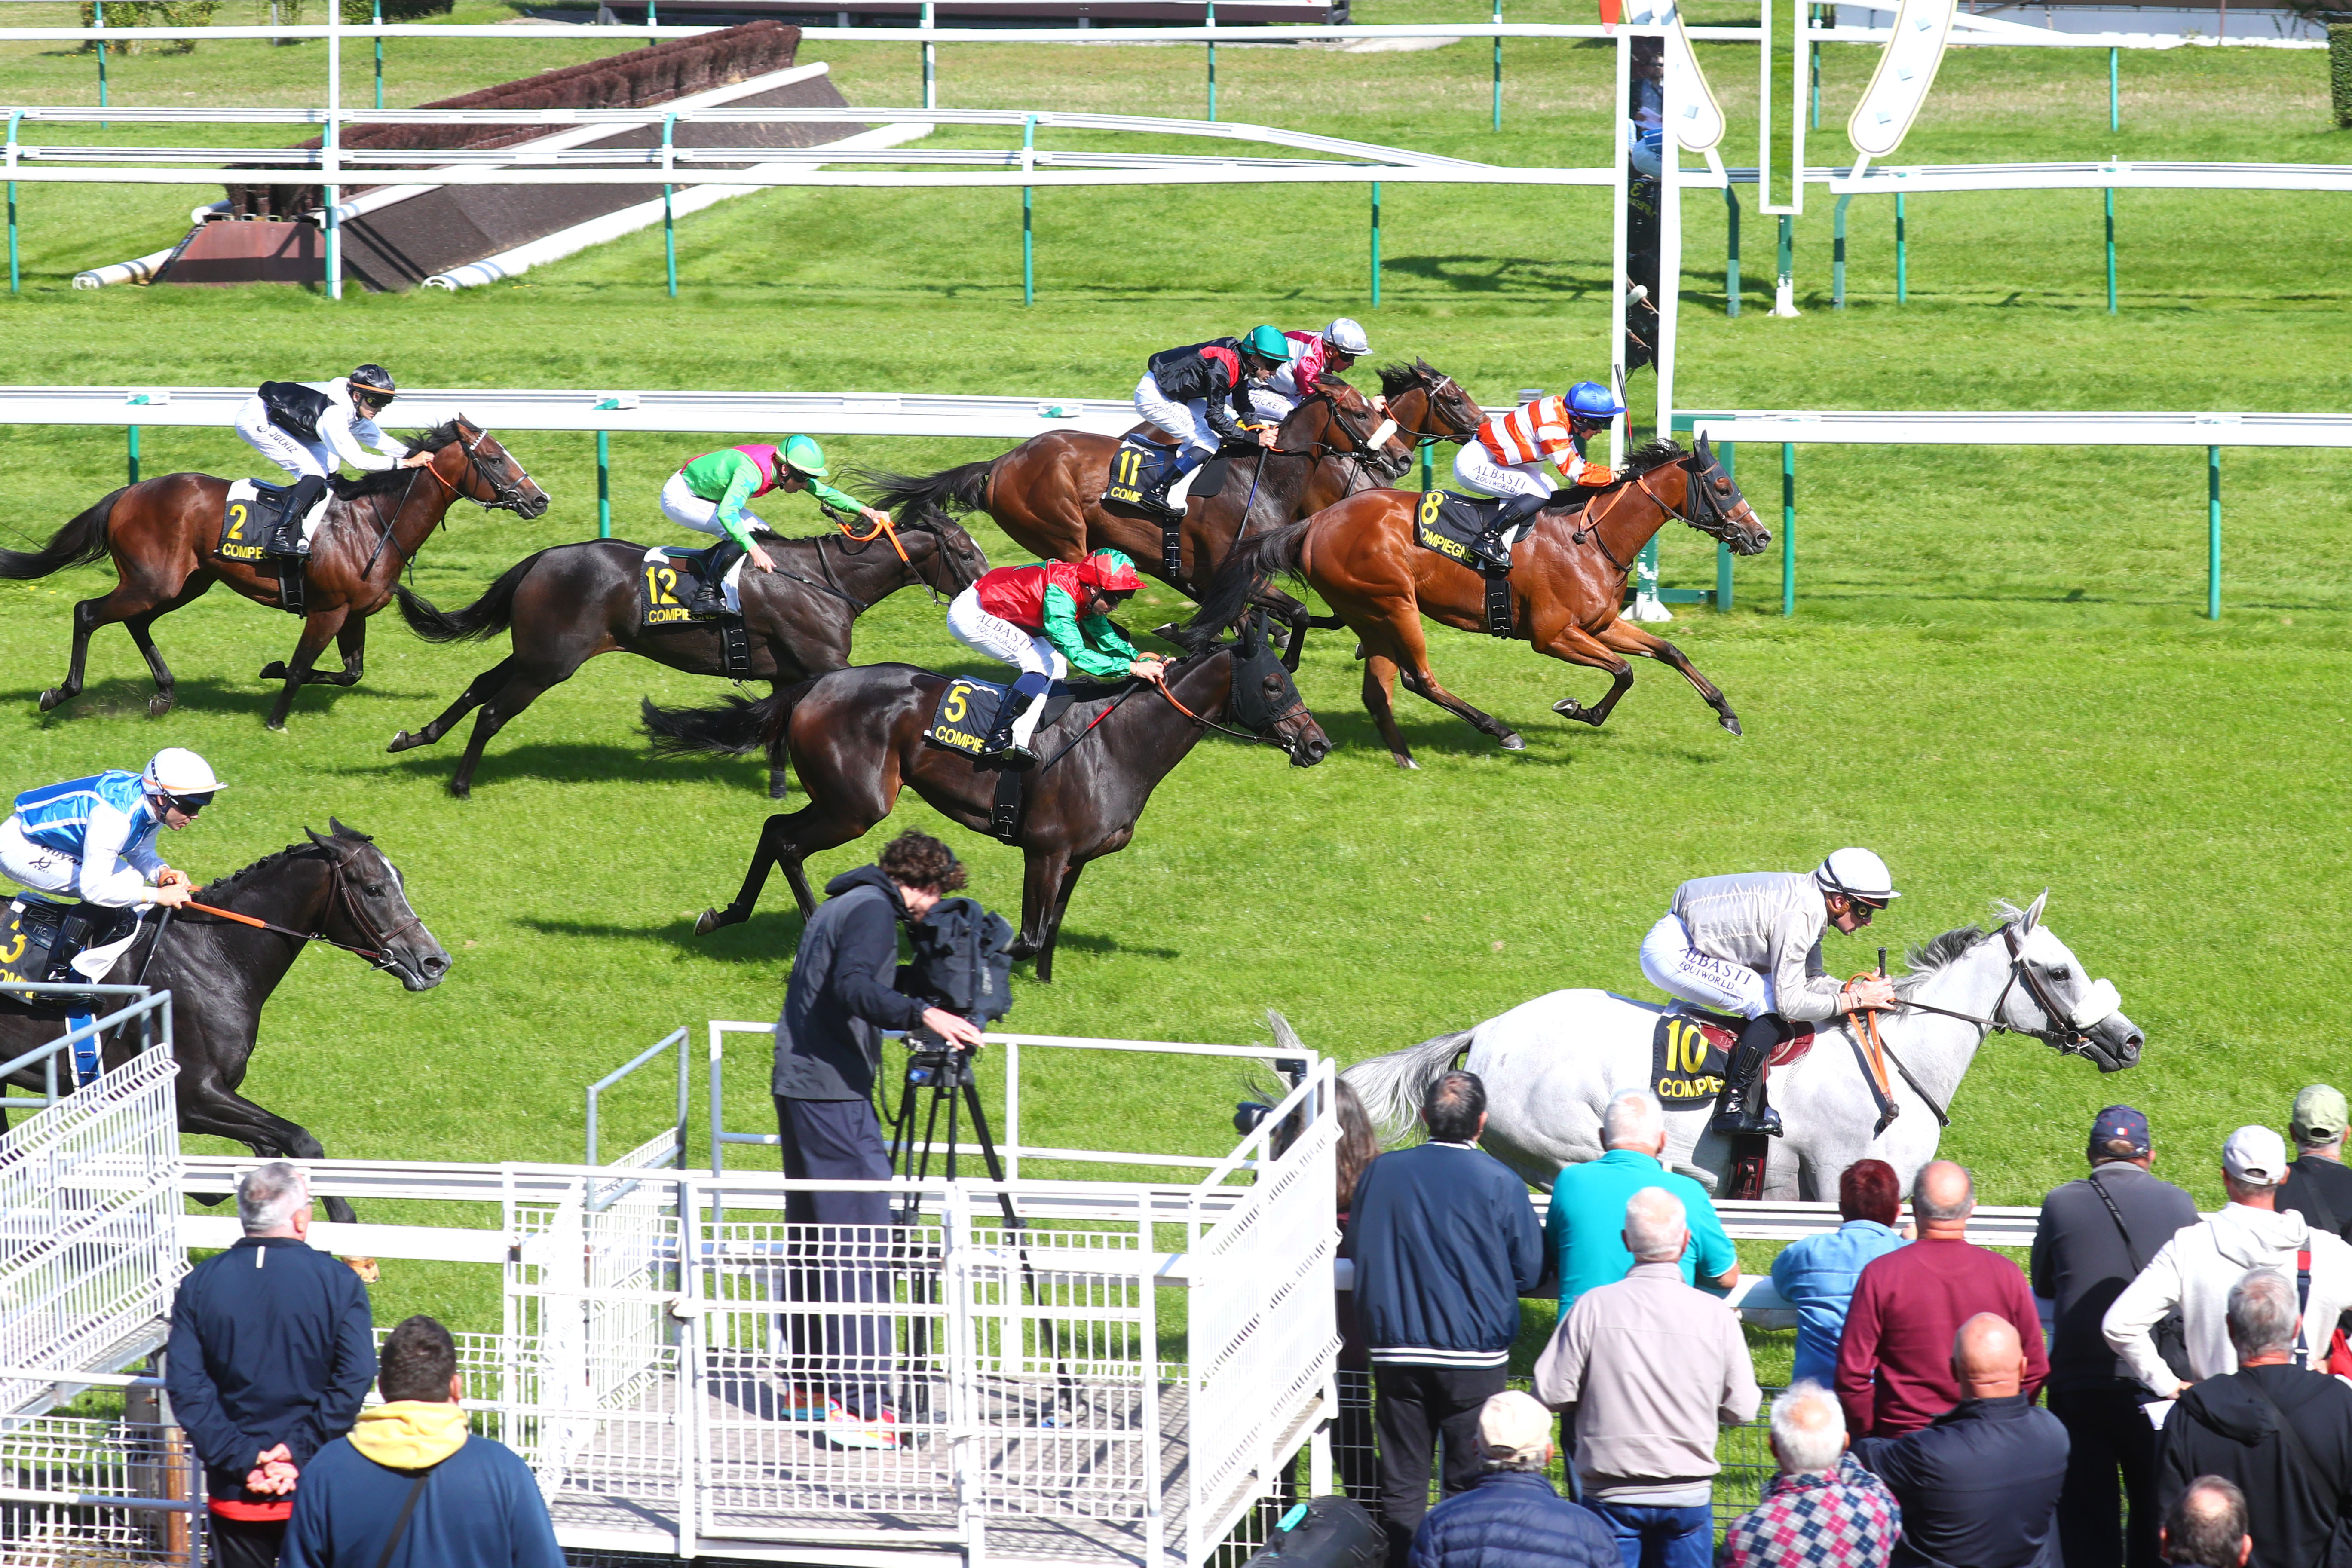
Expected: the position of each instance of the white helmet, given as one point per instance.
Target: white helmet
(176, 770)
(1858, 874)
(1348, 337)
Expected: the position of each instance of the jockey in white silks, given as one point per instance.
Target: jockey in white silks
(1750, 945)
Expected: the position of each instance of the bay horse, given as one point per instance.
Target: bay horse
(856, 739)
(1552, 1065)
(337, 887)
(568, 604)
(1567, 582)
(1046, 493)
(164, 535)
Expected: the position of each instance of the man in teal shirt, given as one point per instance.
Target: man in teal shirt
(1584, 1234)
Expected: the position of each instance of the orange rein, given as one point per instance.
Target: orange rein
(884, 527)
(1863, 1021)
(230, 914)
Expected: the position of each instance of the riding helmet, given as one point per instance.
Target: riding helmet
(1348, 337)
(1858, 874)
(374, 378)
(1111, 570)
(1268, 345)
(804, 457)
(1591, 400)
(176, 770)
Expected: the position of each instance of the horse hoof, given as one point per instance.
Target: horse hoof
(274, 670)
(709, 923)
(1731, 722)
(276, 726)
(400, 743)
(1569, 708)
(1404, 761)
(1513, 744)
(366, 1268)
(51, 698)
(779, 786)
(159, 705)
(1021, 948)
(459, 790)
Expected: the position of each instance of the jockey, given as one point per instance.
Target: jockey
(1200, 394)
(1045, 621)
(95, 838)
(708, 495)
(1507, 458)
(1750, 945)
(1312, 355)
(310, 428)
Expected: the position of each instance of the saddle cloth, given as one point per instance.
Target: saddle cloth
(249, 514)
(41, 940)
(1135, 469)
(967, 711)
(1692, 1047)
(672, 576)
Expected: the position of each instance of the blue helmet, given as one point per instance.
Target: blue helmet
(1591, 400)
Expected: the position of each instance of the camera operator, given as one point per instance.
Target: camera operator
(829, 1051)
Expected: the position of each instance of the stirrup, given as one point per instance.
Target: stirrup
(1743, 1122)
(1016, 758)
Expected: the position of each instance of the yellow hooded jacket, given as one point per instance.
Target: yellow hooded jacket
(410, 1434)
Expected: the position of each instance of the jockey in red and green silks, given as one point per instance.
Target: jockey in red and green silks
(709, 493)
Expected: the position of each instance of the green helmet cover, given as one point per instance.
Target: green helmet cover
(805, 456)
(1267, 342)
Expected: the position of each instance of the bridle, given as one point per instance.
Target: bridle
(1705, 513)
(1254, 737)
(378, 951)
(505, 495)
(2061, 1034)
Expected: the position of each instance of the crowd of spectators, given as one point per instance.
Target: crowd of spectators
(2158, 1388)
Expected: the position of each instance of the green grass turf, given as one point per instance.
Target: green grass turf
(1997, 675)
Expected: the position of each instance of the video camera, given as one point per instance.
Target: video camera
(963, 964)
(1249, 1113)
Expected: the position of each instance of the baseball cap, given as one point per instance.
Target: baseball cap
(2255, 1157)
(2119, 1123)
(1513, 1426)
(2319, 1115)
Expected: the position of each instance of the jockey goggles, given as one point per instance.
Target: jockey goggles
(188, 804)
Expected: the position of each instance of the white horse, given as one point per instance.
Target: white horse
(1550, 1066)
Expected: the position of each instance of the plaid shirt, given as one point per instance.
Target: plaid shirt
(1846, 1519)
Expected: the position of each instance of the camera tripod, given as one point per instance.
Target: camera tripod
(947, 1073)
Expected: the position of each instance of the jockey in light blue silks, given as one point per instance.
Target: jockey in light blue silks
(1750, 945)
(94, 839)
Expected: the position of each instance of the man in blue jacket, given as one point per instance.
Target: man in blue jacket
(271, 1350)
(1511, 1516)
(1445, 1243)
(411, 1487)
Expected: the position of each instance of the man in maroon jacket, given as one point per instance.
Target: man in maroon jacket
(1895, 1362)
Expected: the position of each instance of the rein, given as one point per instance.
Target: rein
(1297, 707)
(339, 894)
(1864, 1022)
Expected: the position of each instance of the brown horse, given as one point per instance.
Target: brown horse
(1046, 493)
(855, 738)
(1567, 581)
(164, 535)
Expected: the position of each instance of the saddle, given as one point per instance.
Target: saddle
(1455, 526)
(254, 528)
(1692, 1047)
(962, 722)
(671, 577)
(1139, 484)
(39, 940)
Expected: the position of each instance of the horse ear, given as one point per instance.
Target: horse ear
(1705, 452)
(313, 837)
(353, 833)
(2032, 916)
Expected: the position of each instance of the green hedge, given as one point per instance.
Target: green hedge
(2339, 70)
(395, 10)
(151, 13)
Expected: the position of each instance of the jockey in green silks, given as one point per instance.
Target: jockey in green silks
(708, 495)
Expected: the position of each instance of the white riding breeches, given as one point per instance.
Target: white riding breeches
(1678, 969)
(684, 508)
(985, 632)
(1475, 467)
(35, 866)
(1187, 422)
(302, 460)
(1272, 404)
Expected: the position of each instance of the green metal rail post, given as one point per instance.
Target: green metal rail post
(930, 63)
(1837, 253)
(1902, 253)
(603, 484)
(1498, 66)
(1784, 252)
(669, 218)
(1726, 455)
(1788, 528)
(1376, 246)
(1028, 242)
(98, 19)
(2111, 249)
(379, 54)
(2212, 533)
(1815, 50)
(1428, 474)
(1731, 254)
(2115, 89)
(134, 454)
(15, 279)
(1212, 64)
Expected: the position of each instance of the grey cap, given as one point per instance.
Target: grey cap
(2318, 1116)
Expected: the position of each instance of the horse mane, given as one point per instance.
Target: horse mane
(1929, 957)
(219, 887)
(385, 481)
(1396, 378)
(1647, 457)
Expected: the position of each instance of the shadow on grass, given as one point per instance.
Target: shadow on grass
(126, 697)
(1353, 730)
(768, 937)
(562, 761)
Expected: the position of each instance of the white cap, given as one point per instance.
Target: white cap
(1856, 873)
(2255, 1157)
(1348, 337)
(176, 770)
(1513, 1426)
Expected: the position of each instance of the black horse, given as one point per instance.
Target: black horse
(572, 602)
(855, 736)
(337, 887)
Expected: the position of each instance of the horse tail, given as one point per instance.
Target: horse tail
(1392, 1087)
(1244, 571)
(485, 617)
(736, 726)
(963, 488)
(77, 544)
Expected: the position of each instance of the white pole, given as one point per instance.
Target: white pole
(333, 191)
(1670, 239)
(1622, 167)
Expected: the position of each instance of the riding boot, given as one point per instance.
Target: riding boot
(710, 602)
(1026, 692)
(1186, 458)
(1740, 1111)
(288, 540)
(1517, 512)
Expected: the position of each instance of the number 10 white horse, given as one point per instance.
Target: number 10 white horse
(1550, 1066)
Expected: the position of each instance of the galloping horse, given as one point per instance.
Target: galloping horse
(571, 603)
(1552, 1065)
(1046, 493)
(336, 888)
(855, 738)
(164, 535)
(1567, 582)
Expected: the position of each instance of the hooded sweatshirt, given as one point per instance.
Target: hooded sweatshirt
(478, 1505)
(839, 1000)
(2195, 1271)
(2295, 1501)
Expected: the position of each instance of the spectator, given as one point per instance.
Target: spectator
(1511, 1516)
(271, 1350)
(1979, 1485)
(2206, 1525)
(411, 1487)
(1351, 1444)
(2094, 1237)
(1650, 1368)
(2282, 1435)
(1445, 1244)
(829, 1051)
(2196, 1270)
(2317, 1186)
(1584, 1234)
(1895, 1364)
(1824, 1509)
(1816, 1275)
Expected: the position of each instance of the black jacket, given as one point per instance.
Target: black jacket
(294, 407)
(1445, 1243)
(272, 1342)
(2080, 1261)
(2321, 1192)
(838, 1002)
(1979, 1486)
(1216, 378)
(2296, 1507)
(1511, 1519)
